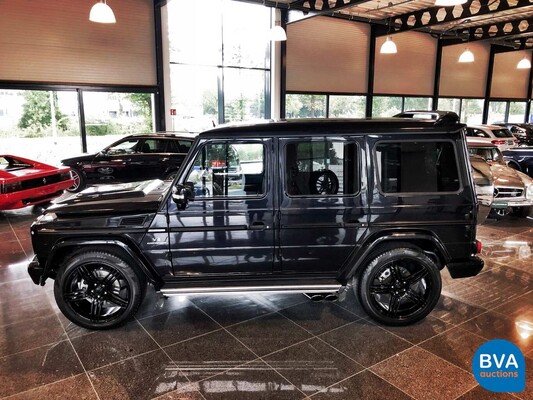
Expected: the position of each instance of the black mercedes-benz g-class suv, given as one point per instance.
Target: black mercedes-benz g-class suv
(309, 206)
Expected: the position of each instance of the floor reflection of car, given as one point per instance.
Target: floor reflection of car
(521, 131)
(520, 159)
(25, 182)
(513, 190)
(132, 158)
(501, 137)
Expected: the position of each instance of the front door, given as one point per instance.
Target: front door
(323, 209)
(229, 226)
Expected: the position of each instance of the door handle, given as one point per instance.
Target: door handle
(354, 224)
(258, 226)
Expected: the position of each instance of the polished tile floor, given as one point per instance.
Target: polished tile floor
(263, 346)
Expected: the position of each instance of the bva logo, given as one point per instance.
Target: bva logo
(499, 366)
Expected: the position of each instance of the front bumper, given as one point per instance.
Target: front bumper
(36, 271)
(465, 268)
(505, 202)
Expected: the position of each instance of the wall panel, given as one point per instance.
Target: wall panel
(464, 79)
(327, 55)
(411, 71)
(53, 41)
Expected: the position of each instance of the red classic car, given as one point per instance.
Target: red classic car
(25, 182)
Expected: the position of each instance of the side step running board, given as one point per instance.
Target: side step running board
(252, 289)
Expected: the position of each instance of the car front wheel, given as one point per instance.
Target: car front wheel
(521, 212)
(98, 289)
(79, 181)
(399, 286)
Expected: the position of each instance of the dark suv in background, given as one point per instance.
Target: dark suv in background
(375, 206)
(132, 158)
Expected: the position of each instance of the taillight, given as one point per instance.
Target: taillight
(497, 142)
(516, 141)
(65, 176)
(479, 247)
(11, 187)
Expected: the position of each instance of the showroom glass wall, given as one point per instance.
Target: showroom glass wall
(219, 62)
(50, 125)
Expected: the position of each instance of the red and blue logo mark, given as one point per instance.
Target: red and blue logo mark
(499, 366)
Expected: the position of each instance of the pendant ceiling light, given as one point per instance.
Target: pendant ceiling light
(466, 57)
(102, 13)
(278, 34)
(449, 3)
(524, 63)
(388, 47)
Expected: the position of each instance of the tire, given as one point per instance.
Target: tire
(323, 182)
(521, 212)
(98, 289)
(170, 176)
(80, 182)
(399, 286)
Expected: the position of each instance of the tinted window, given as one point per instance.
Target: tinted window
(229, 170)
(321, 168)
(123, 147)
(414, 167)
(476, 133)
(490, 154)
(502, 133)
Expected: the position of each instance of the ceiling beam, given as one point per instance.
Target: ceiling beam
(442, 15)
(499, 30)
(324, 6)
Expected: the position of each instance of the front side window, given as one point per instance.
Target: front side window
(322, 167)
(417, 167)
(473, 132)
(125, 147)
(229, 170)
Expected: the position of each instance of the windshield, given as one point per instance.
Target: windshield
(489, 154)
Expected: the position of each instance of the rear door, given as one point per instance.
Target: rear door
(323, 206)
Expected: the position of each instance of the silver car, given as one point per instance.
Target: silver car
(513, 190)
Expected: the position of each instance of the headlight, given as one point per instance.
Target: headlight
(46, 219)
(529, 192)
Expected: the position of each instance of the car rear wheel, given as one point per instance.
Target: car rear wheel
(79, 181)
(98, 289)
(399, 286)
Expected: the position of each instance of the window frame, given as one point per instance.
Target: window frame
(266, 168)
(377, 174)
(307, 139)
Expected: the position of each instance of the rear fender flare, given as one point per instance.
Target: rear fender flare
(387, 240)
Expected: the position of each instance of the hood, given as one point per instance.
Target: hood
(505, 176)
(81, 158)
(127, 198)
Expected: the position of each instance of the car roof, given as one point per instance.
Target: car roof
(167, 134)
(486, 126)
(336, 126)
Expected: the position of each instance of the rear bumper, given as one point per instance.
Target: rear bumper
(35, 270)
(465, 268)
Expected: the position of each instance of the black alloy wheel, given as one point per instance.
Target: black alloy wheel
(324, 182)
(400, 286)
(98, 290)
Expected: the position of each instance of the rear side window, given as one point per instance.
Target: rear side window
(417, 167)
(321, 167)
